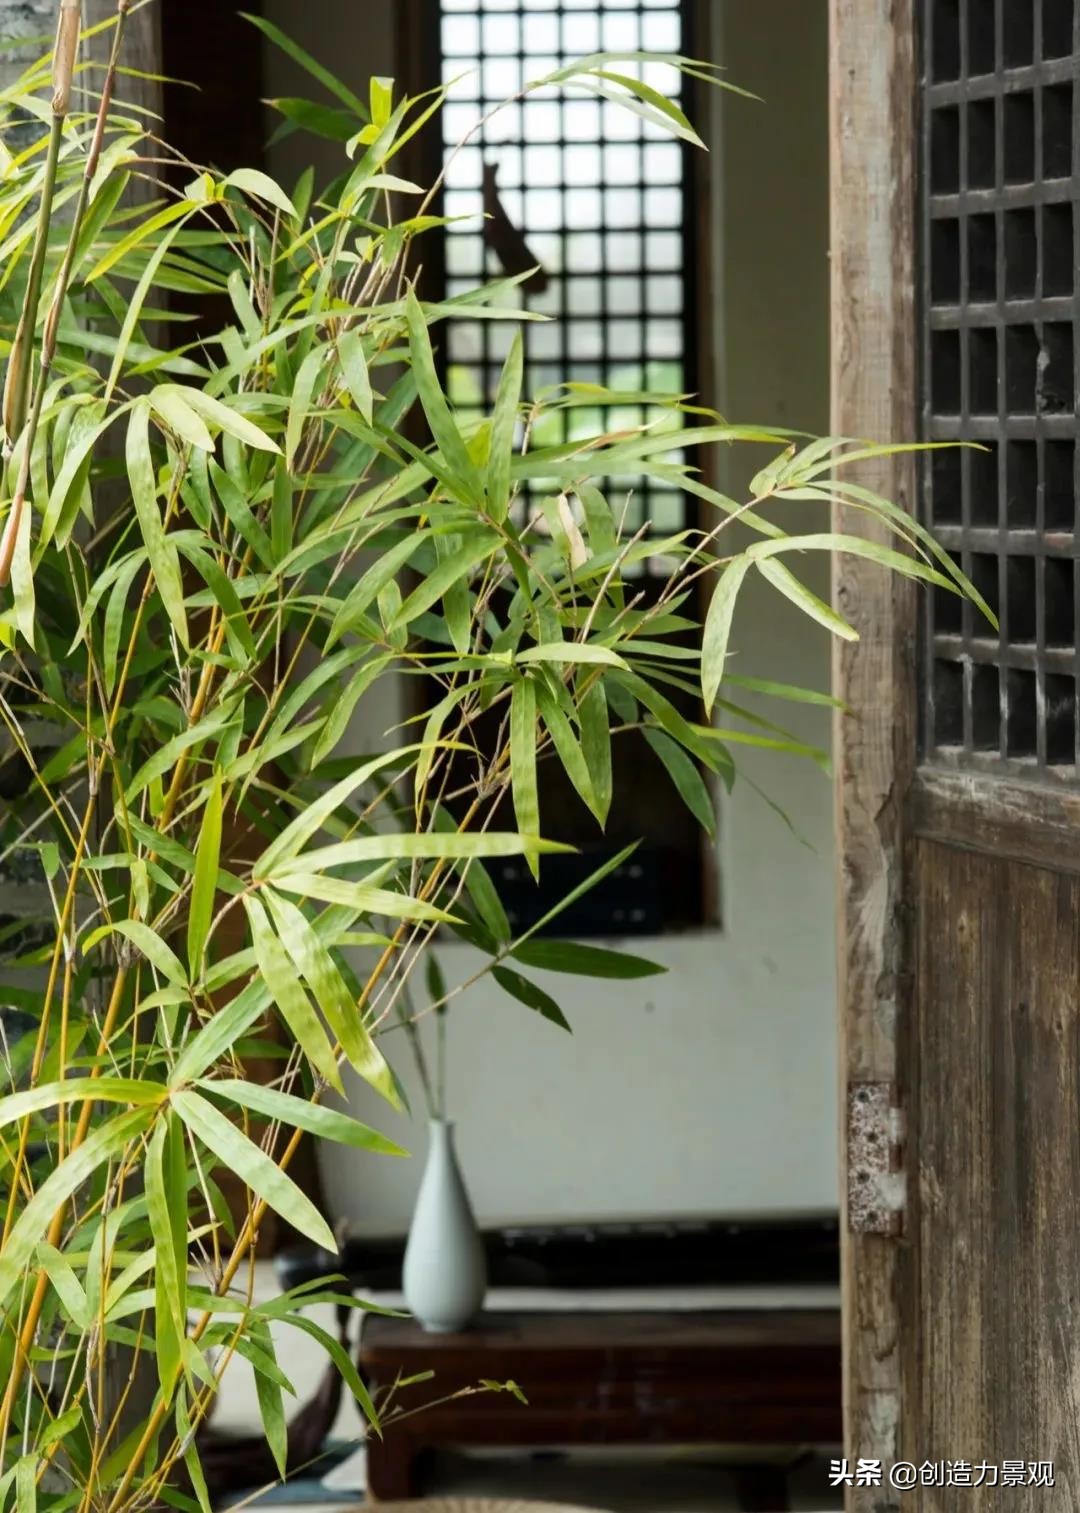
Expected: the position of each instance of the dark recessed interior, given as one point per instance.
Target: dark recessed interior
(945, 262)
(1059, 485)
(1021, 478)
(1059, 601)
(1021, 262)
(1060, 703)
(948, 703)
(945, 150)
(1020, 723)
(982, 464)
(985, 707)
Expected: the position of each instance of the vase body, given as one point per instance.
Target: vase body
(445, 1271)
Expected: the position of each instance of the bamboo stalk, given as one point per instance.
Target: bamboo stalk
(17, 385)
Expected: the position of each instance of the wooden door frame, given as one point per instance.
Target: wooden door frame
(873, 394)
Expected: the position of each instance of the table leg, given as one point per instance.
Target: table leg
(391, 1466)
(761, 1489)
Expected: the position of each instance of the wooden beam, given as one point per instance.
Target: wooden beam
(872, 161)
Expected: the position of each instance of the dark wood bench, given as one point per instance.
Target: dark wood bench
(746, 1377)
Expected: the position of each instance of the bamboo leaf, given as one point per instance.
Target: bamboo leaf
(474, 549)
(239, 1154)
(532, 996)
(586, 653)
(144, 939)
(300, 405)
(448, 438)
(300, 1113)
(354, 367)
(424, 846)
(523, 763)
(166, 1202)
(503, 427)
(317, 967)
(64, 1180)
(263, 187)
(596, 747)
(216, 413)
(717, 632)
(161, 552)
(685, 775)
(204, 881)
(288, 993)
(784, 579)
(584, 961)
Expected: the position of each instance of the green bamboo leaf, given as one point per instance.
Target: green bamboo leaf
(216, 413)
(717, 633)
(457, 600)
(367, 590)
(204, 882)
(784, 579)
(337, 1354)
(263, 187)
(168, 403)
(65, 1284)
(425, 845)
(300, 830)
(268, 1393)
(532, 996)
(239, 1154)
(584, 961)
(444, 429)
(221, 1032)
(354, 367)
(301, 1113)
(17, 1106)
(523, 763)
(503, 428)
(166, 1202)
(64, 1180)
(317, 967)
(569, 751)
(361, 898)
(684, 773)
(586, 653)
(596, 747)
(161, 552)
(300, 405)
(241, 517)
(22, 579)
(114, 619)
(145, 940)
(144, 231)
(310, 65)
(165, 757)
(288, 993)
(474, 549)
(343, 705)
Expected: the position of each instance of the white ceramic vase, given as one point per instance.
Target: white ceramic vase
(445, 1271)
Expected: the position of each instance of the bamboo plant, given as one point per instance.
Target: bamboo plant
(214, 555)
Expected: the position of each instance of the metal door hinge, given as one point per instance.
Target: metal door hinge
(876, 1188)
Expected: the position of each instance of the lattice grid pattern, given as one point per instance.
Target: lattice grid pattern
(1000, 344)
(599, 197)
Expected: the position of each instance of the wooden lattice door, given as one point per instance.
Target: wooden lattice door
(957, 164)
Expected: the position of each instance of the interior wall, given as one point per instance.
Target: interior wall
(712, 1088)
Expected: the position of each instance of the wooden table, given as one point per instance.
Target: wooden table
(746, 1377)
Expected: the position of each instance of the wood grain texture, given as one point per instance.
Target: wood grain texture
(872, 152)
(997, 1130)
(750, 1377)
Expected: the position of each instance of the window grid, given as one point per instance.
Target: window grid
(599, 196)
(1001, 340)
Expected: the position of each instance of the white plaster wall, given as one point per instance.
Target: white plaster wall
(712, 1088)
